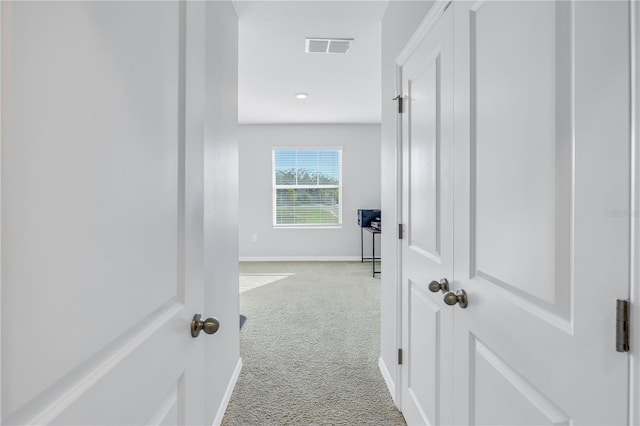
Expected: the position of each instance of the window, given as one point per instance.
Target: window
(307, 187)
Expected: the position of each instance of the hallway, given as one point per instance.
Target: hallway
(148, 148)
(310, 346)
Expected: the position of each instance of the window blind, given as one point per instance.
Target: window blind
(307, 187)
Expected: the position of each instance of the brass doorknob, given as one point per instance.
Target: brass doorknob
(209, 326)
(436, 286)
(459, 297)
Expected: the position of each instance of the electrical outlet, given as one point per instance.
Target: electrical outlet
(254, 237)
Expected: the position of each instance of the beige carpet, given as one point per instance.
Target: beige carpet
(310, 347)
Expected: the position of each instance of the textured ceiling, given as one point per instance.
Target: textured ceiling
(273, 66)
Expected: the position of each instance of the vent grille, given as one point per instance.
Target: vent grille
(317, 46)
(328, 45)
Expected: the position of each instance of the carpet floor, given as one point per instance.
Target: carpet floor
(310, 347)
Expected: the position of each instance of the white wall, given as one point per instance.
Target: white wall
(400, 21)
(221, 205)
(361, 189)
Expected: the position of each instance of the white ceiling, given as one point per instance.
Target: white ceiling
(273, 65)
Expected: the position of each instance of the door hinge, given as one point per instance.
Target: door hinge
(400, 231)
(399, 98)
(622, 325)
(399, 356)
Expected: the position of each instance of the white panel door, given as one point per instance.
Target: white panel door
(427, 247)
(542, 221)
(102, 177)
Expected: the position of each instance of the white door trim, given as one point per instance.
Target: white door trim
(634, 377)
(398, 284)
(421, 32)
(2, 6)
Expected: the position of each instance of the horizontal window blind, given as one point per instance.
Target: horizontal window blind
(307, 187)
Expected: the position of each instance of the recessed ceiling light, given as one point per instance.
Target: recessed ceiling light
(302, 95)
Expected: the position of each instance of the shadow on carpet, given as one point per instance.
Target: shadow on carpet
(242, 320)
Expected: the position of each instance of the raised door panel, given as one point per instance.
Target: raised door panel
(169, 410)
(423, 354)
(424, 160)
(522, 150)
(500, 396)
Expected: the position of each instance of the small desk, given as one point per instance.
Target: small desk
(373, 257)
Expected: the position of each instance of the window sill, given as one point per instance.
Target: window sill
(307, 226)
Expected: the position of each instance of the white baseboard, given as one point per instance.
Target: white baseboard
(391, 386)
(300, 259)
(227, 394)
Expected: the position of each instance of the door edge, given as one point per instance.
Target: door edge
(634, 361)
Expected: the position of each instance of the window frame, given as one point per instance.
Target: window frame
(275, 187)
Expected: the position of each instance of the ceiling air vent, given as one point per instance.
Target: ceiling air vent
(328, 45)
